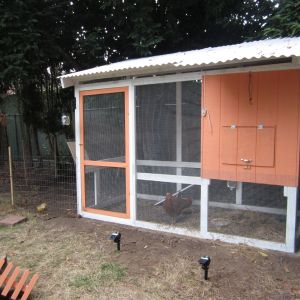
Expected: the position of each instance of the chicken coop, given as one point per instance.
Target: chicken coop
(202, 143)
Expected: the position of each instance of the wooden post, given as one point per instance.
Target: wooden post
(11, 176)
(178, 130)
(204, 207)
(291, 218)
(239, 193)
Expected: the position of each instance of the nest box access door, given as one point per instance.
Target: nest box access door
(252, 134)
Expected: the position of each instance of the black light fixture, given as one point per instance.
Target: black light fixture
(204, 261)
(116, 238)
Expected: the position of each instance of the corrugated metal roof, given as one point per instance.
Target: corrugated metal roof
(244, 52)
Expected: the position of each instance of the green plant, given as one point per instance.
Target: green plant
(111, 272)
(81, 281)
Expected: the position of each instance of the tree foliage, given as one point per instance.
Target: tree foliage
(42, 39)
(285, 22)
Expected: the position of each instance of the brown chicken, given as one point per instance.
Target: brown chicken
(174, 205)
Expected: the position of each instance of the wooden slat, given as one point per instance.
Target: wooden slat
(20, 285)
(210, 151)
(10, 281)
(5, 273)
(228, 146)
(2, 262)
(30, 286)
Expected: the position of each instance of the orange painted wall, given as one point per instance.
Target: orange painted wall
(250, 131)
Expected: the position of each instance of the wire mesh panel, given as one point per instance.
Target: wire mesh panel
(104, 127)
(38, 181)
(168, 118)
(156, 122)
(4, 175)
(191, 120)
(247, 210)
(160, 202)
(104, 117)
(105, 188)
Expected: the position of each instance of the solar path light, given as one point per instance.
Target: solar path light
(116, 238)
(204, 261)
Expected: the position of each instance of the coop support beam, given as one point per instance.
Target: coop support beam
(239, 193)
(170, 178)
(178, 130)
(132, 152)
(214, 236)
(77, 151)
(165, 163)
(291, 217)
(204, 207)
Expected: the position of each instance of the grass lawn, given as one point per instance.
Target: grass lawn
(77, 261)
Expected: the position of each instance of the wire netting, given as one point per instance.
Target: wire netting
(41, 185)
(247, 210)
(178, 209)
(4, 175)
(105, 188)
(104, 127)
(168, 118)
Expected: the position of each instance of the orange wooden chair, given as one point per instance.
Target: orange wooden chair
(9, 286)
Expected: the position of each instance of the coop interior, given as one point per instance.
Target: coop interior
(247, 210)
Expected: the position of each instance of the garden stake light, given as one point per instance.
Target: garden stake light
(116, 238)
(204, 261)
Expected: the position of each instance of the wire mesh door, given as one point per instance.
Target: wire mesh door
(104, 151)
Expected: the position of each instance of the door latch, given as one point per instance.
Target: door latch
(247, 162)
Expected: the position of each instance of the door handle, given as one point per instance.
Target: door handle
(246, 161)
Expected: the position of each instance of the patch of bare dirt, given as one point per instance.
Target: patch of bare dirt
(235, 270)
(77, 260)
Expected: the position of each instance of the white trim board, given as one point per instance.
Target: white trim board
(188, 76)
(192, 233)
(215, 236)
(77, 150)
(132, 152)
(105, 218)
(185, 75)
(148, 79)
(170, 178)
(165, 163)
(160, 198)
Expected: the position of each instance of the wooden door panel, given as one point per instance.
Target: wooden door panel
(246, 145)
(267, 98)
(229, 145)
(287, 128)
(246, 152)
(210, 127)
(247, 99)
(229, 99)
(265, 147)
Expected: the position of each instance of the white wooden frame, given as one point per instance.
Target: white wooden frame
(77, 150)
(173, 164)
(290, 192)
